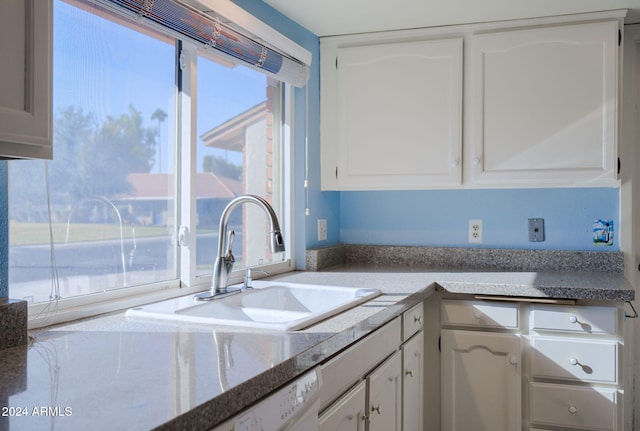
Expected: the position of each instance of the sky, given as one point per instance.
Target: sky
(93, 64)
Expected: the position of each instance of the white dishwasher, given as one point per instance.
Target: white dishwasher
(291, 408)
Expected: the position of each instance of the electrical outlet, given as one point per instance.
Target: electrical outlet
(475, 231)
(536, 229)
(322, 229)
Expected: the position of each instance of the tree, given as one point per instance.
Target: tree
(121, 146)
(89, 160)
(159, 115)
(221, 166)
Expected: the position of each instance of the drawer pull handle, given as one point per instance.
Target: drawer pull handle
(573, 361)
(573, 410)
(417, 319)
(477, 314)
(573, 319)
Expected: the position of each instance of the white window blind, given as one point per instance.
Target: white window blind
(210, 32)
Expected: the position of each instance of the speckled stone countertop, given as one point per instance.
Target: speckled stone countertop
(111, 372)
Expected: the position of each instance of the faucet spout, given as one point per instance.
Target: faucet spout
(224, 261)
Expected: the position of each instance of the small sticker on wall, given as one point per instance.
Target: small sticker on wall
(603, 232)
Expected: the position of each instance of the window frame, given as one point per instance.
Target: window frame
(187, 282)
(187, 130)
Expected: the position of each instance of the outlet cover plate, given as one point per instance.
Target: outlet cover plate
(475, 231)
(536, 229)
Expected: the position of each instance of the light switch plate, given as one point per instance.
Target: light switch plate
(536, 229)
(322, 229)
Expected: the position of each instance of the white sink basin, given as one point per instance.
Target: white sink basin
(269, 305)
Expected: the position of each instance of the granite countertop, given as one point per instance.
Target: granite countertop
(111, 372)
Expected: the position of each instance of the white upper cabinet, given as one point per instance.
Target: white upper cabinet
(528, 103)
(543, 105)
(25, 84)
(391, 114)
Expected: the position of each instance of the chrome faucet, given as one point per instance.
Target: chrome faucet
(224, 261)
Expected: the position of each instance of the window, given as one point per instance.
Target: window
(110, 214)
(237, 155)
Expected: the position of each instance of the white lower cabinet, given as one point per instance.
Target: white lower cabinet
(384, 403)
(575, 407)
(575, 354)
(347, 413)
(413, 383)
(377, 384)
(481, 375)
(538, 367)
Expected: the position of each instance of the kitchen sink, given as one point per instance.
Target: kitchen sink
(268, 305)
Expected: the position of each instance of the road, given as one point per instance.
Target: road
(32, 263)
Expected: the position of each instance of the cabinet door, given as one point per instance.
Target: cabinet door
(543, 104)
(347, 413)
(385, 396)
(481, 387)
(412, 387)
(391, 115)
(25, 87)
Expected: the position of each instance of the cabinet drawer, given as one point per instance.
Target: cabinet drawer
(482, 314)
(583, 360)
(573, 407)
(589, 320)
(412, 321)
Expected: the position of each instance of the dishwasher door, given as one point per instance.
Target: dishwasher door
(291, 408)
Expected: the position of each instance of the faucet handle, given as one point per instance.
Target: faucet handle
(229, 259)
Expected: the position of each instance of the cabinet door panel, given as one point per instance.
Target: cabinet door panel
(347, 413)
(481, 386)
(392, 115)
(25, 87)
(544, 105)
(412, 388)
(385, 396)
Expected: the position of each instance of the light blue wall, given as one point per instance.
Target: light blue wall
(4, 230)
(441, 218)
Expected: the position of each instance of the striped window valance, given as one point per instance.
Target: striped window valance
(210, 32)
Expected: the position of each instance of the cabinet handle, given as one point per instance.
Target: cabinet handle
(477, 314)
(409, 373)
(573, 319)
(455, 163)
(573, 410)
(376, 409)
(476, 161)
(573, 361)
(513, 360)
(417, 319)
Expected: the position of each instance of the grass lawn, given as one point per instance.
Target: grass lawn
(38, 233)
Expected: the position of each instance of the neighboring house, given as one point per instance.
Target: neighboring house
(149, 204)
(149, 201)
(250, 133)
